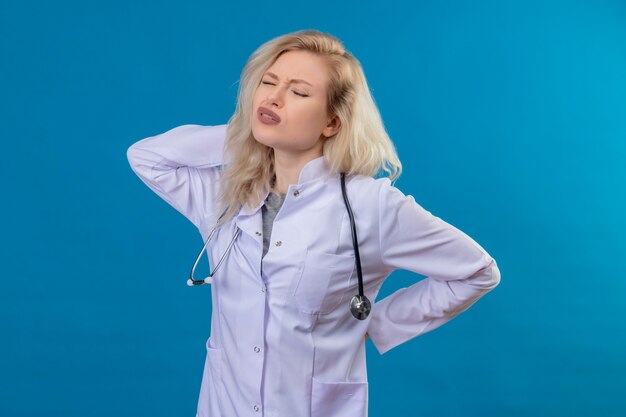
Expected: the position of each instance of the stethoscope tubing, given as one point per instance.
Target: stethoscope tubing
(191, 281)
(360, 306)
(355, 240)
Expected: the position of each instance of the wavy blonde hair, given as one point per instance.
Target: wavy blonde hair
(361, 146)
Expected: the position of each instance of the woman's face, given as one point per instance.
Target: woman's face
(294, 89)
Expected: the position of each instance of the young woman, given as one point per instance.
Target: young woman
(293, 240)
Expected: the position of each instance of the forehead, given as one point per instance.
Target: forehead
(301, 65)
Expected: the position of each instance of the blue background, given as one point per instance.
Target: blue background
(509, 118)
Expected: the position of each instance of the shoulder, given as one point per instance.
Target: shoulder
(371, 189)
(372, 195)
(379, 198)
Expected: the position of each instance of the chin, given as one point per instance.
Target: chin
(264, 138)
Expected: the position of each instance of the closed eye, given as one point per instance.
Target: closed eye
(294, 91)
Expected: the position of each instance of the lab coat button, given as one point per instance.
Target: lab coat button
(258, 233)
(296, 193)
(278, 243)
(256, 408)
(257, 349)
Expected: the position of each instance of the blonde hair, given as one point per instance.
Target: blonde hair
(361, 146)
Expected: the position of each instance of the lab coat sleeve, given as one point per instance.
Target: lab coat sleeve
(458, 270)
(182, 167)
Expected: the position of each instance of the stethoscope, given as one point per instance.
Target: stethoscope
(360, 305)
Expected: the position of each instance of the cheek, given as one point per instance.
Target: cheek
(311, 114)
(256, 102)
(255, 99)
(258, 94)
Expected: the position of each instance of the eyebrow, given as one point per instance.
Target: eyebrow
(274, 76)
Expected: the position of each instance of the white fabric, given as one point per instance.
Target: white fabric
(286, 344)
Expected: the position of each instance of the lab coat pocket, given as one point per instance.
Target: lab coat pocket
(324, 280)
(211, 389)
(345, 399)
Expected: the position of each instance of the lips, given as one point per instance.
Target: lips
(264, 110)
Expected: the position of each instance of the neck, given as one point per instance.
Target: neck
(288, 166)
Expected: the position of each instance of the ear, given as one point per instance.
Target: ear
(332, 127)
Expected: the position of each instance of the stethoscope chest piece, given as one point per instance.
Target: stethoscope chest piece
(360, 307)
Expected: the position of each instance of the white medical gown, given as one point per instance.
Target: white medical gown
(283, 342)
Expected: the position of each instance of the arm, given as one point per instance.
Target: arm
(459, 271)
(182, 167)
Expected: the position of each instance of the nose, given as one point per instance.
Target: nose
(275, 97)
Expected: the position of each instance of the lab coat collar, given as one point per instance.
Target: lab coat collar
(312, 171)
